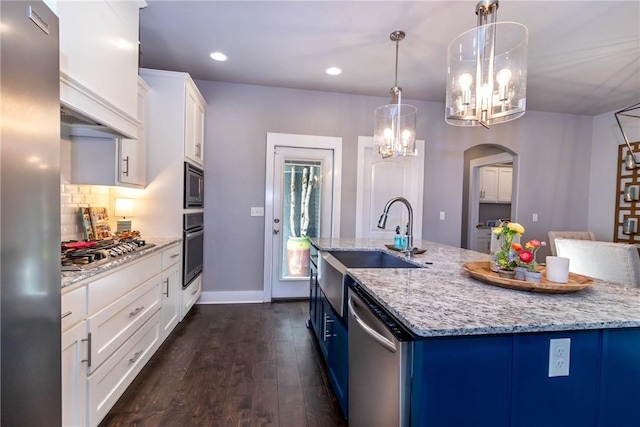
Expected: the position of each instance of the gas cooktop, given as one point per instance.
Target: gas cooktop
(78, 256)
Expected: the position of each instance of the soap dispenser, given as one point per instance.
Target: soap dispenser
(397, 240)
(405, 240)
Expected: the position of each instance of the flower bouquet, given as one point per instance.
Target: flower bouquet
(527, 259)
(504, 259)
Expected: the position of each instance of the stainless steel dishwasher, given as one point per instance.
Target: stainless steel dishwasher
(380, 360)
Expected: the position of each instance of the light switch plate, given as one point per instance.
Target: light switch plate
(257, 211)
(442, 216)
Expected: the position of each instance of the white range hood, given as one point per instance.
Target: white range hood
(83, 113)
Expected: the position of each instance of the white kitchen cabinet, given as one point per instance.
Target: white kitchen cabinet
(484, 240)
(74, 376)
(194, 124)
(190, 295)
(114, 324)
(505, 185)
(167, 133)
(110, 330)
(107, 384)
(495, 184)
(176, 100)
(99, 59)
(171, 288)
(132, 153)
(101, 161)
(74, 357)
(73, 307)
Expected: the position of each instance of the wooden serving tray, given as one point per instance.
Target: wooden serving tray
(416, 252)
(481, 270)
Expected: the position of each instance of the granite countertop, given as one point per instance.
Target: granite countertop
(443, 300)
(72, 277)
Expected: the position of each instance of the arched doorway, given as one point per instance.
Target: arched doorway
(476, 215)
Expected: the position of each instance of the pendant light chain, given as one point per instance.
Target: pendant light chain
(394, 133)
(397, 48)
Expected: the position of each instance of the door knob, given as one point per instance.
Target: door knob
(276, 231)
(276, 220)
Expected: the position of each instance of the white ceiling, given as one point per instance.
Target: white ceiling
(584, 56)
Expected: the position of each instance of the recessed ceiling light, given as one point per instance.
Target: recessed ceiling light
(218, 56)
(333, 71)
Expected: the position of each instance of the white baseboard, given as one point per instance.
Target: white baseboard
(231, 297)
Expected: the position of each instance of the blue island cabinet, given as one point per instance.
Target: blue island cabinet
(503, 380)
(331, 333)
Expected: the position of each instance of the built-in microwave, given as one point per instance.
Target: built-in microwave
(193, 186)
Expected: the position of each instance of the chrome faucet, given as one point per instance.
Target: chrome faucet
(383, 221)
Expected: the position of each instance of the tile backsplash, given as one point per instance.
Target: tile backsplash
(74, 196)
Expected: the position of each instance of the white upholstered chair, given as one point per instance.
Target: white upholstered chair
(613, 262)
(580, 235)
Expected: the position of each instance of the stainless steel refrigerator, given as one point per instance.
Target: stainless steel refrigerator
(29, 215)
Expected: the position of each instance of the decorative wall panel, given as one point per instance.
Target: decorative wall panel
(627, 217)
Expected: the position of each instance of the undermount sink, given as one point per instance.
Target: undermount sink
(370, 259)
(334, 265)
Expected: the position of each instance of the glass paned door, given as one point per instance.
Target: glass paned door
(302, 208)
(300, 215)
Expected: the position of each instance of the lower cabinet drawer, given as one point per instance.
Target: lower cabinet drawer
(190, 295)
(112, 286)
(171, 256)
(108, 382)
(114, 324)
(74, 307)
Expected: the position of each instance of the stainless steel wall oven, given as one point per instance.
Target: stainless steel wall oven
(193, 186)
(193, 239)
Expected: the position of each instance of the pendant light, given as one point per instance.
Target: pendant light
(630, 161)
(394, 126)
(487, 71)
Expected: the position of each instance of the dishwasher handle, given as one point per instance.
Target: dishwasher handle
(383, 341)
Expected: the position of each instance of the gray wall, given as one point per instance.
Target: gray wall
(554, 172)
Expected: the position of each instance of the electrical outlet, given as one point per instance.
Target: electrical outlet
(257, 211)
(559, 357)
(535, 217)
(442, 216)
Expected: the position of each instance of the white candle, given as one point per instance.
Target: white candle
(557, 269)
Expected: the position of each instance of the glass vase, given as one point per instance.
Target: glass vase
(501, 250)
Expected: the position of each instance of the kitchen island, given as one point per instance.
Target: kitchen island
(481, 354)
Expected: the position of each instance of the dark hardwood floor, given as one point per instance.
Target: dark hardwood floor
(233, 365)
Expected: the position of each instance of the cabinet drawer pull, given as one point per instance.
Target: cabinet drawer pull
(67, 314)
(88, 359)
(136, 311)
(126, 171)
(167, 282)
(195, 291)
(326, 333)
(175, 255)
(135, 357)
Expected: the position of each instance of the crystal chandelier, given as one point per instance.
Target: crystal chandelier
(394, 128)
(487, 71)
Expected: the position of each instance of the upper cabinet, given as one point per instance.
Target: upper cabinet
(99, 60)
(98, 161)
(185, 111)
(496, 184)
(194, 124)
(132, 153)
